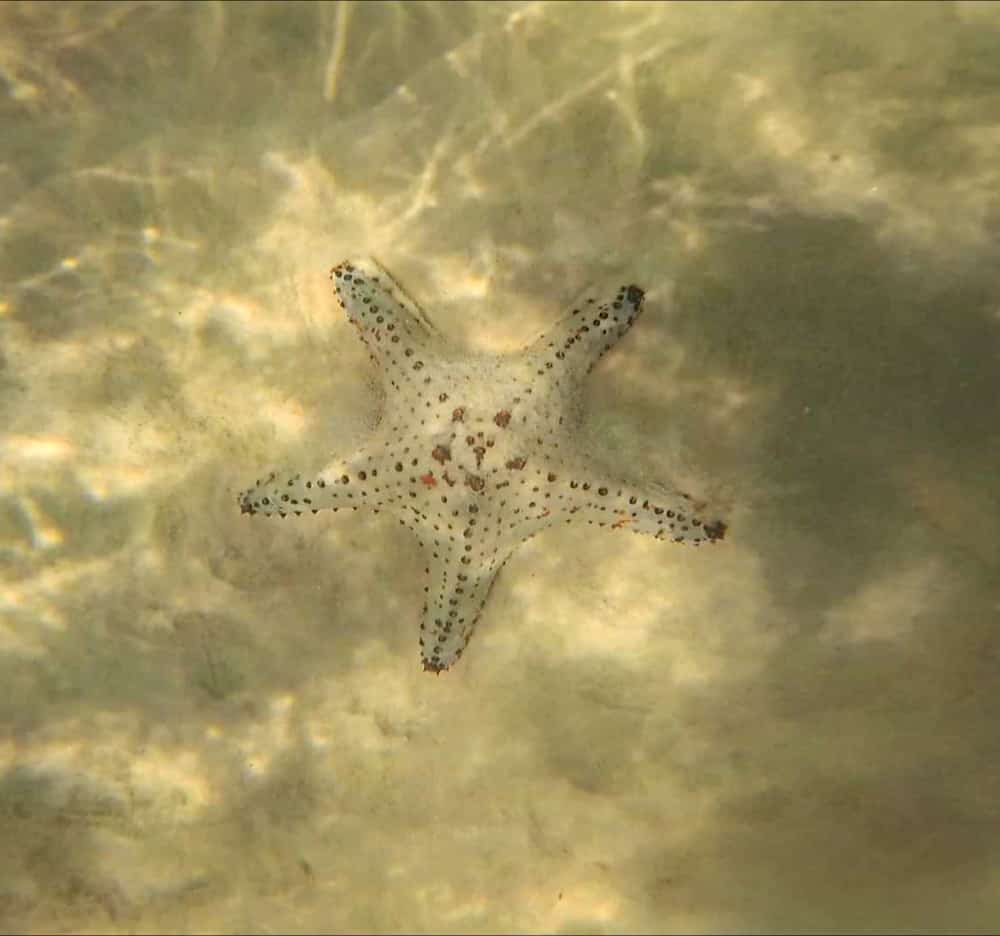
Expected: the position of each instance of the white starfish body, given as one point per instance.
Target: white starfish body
(473, 453)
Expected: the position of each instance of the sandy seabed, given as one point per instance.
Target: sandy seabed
(220, 723)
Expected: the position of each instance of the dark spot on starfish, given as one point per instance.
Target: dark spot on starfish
(716, 531)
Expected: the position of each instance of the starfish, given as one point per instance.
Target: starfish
(475, 453)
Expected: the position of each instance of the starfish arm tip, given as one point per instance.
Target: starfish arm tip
(391, 325)
(591, 328)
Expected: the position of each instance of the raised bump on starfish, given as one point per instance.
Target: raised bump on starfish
(474, 452)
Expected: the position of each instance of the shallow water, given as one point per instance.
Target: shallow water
(219, 723)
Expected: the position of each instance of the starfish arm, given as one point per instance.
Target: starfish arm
(391, 325)
(656, 510)
(593, 326)
(362, 480)
(457, 588)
